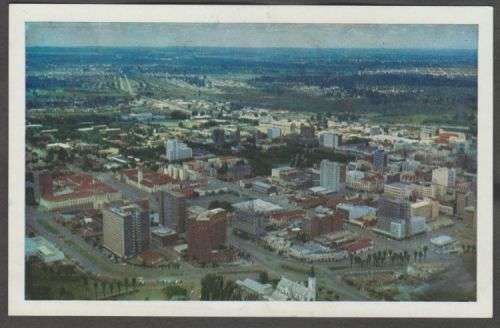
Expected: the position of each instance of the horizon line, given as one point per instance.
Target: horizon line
(245, 47)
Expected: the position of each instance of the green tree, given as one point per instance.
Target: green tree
(126, 282)
(96, 285)
(134, 282)
(263, 277)
(62, 292)
(212, 287)
(103, 288)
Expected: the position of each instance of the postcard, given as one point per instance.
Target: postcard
(202, 160)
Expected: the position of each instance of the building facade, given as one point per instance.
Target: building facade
(379, 160)
(176, 150)
(273, 132)
(126, 229)
(206, 237)
(443, 178)
(173, 210)
(329, 140)
(332, 175)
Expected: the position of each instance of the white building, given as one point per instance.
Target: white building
(176, 150)
(257, 206)
(398, 229)
(357, 211)
(42, 248)
(294, 291)
(444, 176)
(329, 140)
(286, 290)
(425, 189)
(256, 287)
(443, 244)
(274, 132)
(417, 225)
(331, 175)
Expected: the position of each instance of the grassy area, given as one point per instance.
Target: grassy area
(156, 293)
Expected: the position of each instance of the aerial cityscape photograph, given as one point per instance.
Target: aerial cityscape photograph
(250, 162)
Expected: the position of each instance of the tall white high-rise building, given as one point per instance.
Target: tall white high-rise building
(176, 150)
(332, 175)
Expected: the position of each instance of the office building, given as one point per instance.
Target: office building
(176, 150)
(329, 140)
(206, 237)
(393, 210)
(379, 160)
(464, 198)
(332, 175)
(218, 136)
(398, 190)
(443, 178)
(306, 131)
(173, 210)
(274, 132)
(126, 229)
(248, 223)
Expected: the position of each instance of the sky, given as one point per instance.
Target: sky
(251, 35)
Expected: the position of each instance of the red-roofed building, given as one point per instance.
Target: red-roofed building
(359, 246)
(147, 180)
(444, 137)
(76, 190)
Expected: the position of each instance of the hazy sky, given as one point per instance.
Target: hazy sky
(252, 35)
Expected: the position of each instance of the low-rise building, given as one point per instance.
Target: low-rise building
(147, 180)
(43, 249)
(288, 290)
(76, 190)
(162, 236)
